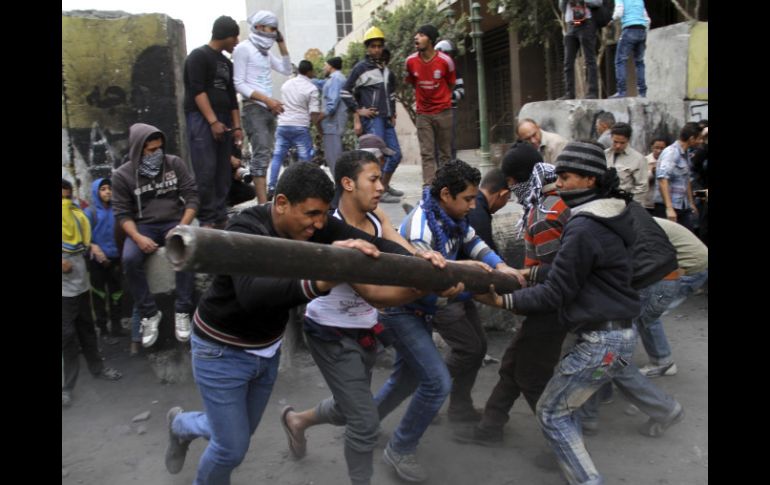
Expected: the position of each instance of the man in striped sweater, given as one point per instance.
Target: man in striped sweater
(528, 362)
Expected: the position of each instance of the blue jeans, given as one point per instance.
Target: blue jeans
(285, 138)
(639, 391)
(384, 129)
(657, 299)
(419, 368)
(235, 387)
(632, 41)
(586, 367)
(133, 266)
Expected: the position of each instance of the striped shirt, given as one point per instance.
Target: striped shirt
(542, 238)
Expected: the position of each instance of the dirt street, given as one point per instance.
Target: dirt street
(101, 445)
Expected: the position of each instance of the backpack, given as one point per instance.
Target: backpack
(653, 254)
(602, 15)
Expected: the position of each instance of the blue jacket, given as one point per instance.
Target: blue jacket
(102, 222)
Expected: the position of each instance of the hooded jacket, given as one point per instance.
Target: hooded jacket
(102, 222)
(160, 199)
(589, 282)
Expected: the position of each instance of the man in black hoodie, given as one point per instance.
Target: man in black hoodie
(152, 193)
(589, 285)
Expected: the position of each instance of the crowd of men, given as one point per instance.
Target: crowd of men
(597, 266)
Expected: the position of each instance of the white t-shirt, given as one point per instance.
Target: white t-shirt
(343, 307)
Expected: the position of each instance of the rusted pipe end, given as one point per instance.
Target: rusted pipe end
(179, 247)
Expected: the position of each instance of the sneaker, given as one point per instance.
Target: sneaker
(616, 95)
(176, 451)
(149, 329)
(396, 192)
(110, 374)
(66, 399)
(631, 410)
(464, 415)
(654, 370)
(389, 198)
(655, 429)
(406, 465)
(110, 340)
(590, 428)
(565, 97)
(407, 207)
(479, 436)
(182, 328)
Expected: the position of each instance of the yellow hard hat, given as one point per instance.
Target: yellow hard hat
(373, 33)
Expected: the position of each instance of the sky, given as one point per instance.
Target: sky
(198, 16)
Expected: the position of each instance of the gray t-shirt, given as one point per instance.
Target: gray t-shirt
(75, 282)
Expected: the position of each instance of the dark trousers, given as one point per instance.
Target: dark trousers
(583, 36)
(460, 326)
(211, 165)
(77, 332)
(683, 216)
(526, 367)
(106, 293)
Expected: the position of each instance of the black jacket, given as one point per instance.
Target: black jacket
(251, 311)
(590, 279)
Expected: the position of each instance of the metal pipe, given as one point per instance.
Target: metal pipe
(224, 252)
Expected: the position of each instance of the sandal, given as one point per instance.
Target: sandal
(297, 445)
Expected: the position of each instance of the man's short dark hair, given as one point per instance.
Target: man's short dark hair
(622, 129)
(519, 161)
(494, 181)
(351, 163)
(607, 118)
(689, 130)
(305, 180)
(664, 138)
(455, 175)
(304, 67)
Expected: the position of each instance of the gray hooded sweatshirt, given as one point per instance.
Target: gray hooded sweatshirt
(160, 199)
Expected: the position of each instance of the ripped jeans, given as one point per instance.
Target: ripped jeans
(590, 363)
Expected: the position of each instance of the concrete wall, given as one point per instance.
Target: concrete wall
(118, 69)
(576, 119)
(676, 62)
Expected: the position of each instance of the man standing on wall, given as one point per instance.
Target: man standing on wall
(213, 120)
(252, 63)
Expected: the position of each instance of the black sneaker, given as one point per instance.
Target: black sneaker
(176, 451)
(479, 436)
(464, 415)
(396, 192)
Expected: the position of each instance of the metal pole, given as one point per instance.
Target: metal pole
(476, 34)
(225, 252)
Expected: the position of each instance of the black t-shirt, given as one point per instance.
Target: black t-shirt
(206, 70)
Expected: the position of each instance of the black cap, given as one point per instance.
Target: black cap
(335, 62)
(430, 31)
(225, 27)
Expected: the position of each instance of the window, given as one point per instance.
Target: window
(344, 18)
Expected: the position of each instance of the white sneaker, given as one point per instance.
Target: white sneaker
(183, 328)
(149, 328)
(654, 370)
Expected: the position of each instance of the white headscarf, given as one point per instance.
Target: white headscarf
(263, 40)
